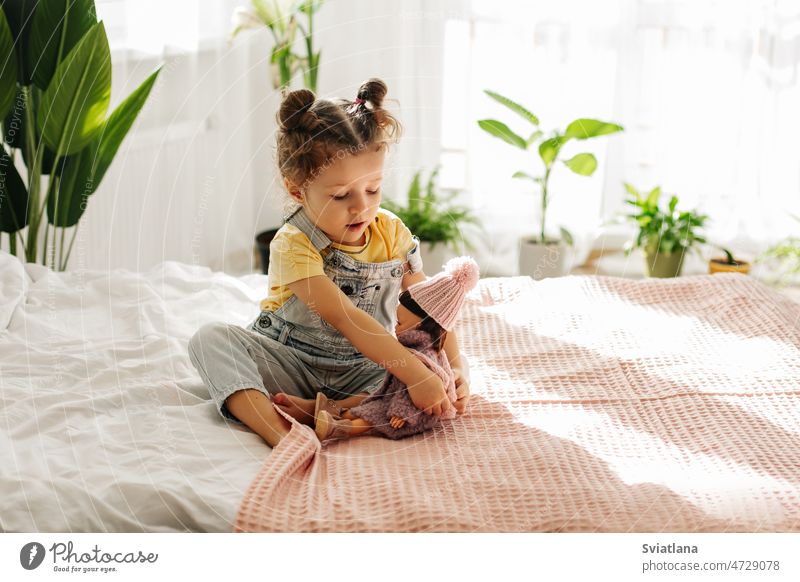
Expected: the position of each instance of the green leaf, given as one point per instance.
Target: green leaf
(13, 197)
(513, 106)
(634, 193)
(673, 203)
(587, 128)
(57, 26)
(534, 136)
(583, 164)
(567, 236)
(525, 175)
(84, 171)
(8, 67)
(19, 14)
(548, 149)
(15, 134)
(501, 130)
(75, 102)
(652, 198)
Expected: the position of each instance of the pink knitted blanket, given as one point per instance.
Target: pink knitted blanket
(599, 404)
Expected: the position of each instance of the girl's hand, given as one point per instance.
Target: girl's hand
(462, 393)
(397, 422)
(430, 398)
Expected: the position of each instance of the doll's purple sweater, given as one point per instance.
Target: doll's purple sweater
(392, 398)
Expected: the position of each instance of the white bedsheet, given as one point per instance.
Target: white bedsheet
(105, 424)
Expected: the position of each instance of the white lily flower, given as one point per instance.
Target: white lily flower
(275, 13)
(244, 19)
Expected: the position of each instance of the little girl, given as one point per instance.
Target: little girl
(337, 267)
(427, 311)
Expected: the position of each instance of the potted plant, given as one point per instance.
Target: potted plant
(664, 235)
(55, 91)
(786, 254)
(540, 256)
(282, 19)
(434, 219)
(727, 264)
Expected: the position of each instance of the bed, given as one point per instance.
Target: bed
(600, 404)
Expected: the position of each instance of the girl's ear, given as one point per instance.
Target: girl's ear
(293, 190)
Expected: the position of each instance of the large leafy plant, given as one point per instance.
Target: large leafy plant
(662, 231)
(283, 19)
(549, 147)
(55, 89)
(431, 216)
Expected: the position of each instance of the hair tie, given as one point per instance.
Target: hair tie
(359, 101)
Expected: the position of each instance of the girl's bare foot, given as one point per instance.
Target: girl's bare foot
(299, 408)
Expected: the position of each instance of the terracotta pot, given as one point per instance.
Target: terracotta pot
(664, 266)
(721, 265)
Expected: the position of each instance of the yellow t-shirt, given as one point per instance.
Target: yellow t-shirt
(292, 257)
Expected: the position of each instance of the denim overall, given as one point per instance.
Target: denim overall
(372, 287)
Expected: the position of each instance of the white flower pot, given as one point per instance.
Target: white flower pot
(543, 260)
(434, 256)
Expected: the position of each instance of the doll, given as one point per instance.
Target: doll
(427, 311)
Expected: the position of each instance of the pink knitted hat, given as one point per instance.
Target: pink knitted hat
(442, 295)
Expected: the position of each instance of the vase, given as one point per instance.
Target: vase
(662, 265)
(434, 256)
(721, 265)
(541, 261)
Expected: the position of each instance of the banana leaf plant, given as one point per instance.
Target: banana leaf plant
(55, 91)
(549, 148)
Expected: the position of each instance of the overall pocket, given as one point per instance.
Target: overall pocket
(361, 294)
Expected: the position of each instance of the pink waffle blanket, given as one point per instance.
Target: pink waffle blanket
(599, 404)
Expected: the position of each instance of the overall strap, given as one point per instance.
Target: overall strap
(300, 219)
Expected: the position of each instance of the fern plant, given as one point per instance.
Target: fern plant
(431, 216)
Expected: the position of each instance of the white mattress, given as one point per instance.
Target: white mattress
(105, 425)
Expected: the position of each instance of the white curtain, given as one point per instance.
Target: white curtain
(196, 178)
(707, 92)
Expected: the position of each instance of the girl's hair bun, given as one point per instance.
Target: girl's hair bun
(295, 112)
(373, 91)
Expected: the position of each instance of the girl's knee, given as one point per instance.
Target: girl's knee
(207, 334)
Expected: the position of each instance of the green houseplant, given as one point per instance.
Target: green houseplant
(533, 252)
(786, 257)
(665, 235)
(55, 90)
(433, 217)
(727, 264)
(283, 19)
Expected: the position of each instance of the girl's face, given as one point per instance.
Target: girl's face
(405, 319)
(344, 198)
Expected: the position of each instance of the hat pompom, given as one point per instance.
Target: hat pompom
(464, 270)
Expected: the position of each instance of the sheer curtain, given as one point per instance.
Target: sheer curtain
(706, 90)
(196, 178)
